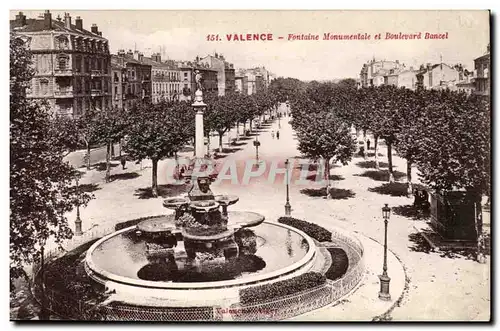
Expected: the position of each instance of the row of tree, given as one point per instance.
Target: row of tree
(42, 184)
(445, 134)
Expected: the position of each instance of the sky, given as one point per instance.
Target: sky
(181, 35)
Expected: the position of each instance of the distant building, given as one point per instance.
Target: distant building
(225, 72)
(241, 82)
(136, 82)
(256, 79)
(482, 67)
(408, 79)
(438, 76)
(166, 79)
(72, 65)
(373, 72)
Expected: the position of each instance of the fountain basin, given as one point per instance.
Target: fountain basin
(174, 203)
(114, 261)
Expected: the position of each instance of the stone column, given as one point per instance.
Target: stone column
(199, 106)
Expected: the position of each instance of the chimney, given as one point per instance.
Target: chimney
(94, 29)
(79, 23)
(21, 19)
(47, 20)
(156, 57)
(136, 55)
(67, 21)
(121, 52)
(130, 53)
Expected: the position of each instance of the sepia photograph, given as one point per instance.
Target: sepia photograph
(250, 165)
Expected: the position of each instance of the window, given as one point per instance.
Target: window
(116, 77)
(62, 62)
(44, 86)
(116, 90)
(78, 64)
(185, 75)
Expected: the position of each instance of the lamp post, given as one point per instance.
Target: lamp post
(288, 207)
(78, 220)
(384, 278)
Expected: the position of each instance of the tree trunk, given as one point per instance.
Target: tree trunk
(220, 141)
(408, 176)
(327, 172)
(88, 156)
(108, 163)
(112, 149)
(229, 137)
(154, 183)
(251, 125)
(479, 230)
(365, 145)
(389, 160)
(377, 165)
(237, 131)
(120, 146)
(244, 128)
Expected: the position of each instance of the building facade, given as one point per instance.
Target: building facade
(438, 76)
(136, 78)
(225, 72)
(372, 71)
(72, 64)
(482, 68)
(408, 79)
(166, 79)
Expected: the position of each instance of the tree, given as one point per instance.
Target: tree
(111, 124)
(324, 136)
(88, 131)
(222, 115)
(158, 131)
(41, 190)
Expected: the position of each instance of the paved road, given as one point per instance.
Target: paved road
(440, 287)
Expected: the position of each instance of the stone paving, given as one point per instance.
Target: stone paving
(452, 287)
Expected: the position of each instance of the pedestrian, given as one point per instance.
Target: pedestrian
(278, 135)
(272, 134)
(123, 161)
(368, 143)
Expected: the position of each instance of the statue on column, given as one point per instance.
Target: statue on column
(198, 78)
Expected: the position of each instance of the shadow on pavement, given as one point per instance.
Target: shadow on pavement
(371, 164)
(419, 244)
(332, 177)
(381, 175)
(394, 189)
(336, 193)
(164, 191)
(124, 176)
(89, 188)
(101, 166)
(412, 212)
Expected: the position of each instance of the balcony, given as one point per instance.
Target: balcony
(95, 73)
(63, 72)
(96, 92)
(64, 93)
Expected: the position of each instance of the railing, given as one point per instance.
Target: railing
(64, 72)
(303, 302)
(63, 93)
(281, 308)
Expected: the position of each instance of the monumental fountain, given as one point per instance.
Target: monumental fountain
(200, 255)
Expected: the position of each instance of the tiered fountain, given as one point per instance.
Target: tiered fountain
(202, 247)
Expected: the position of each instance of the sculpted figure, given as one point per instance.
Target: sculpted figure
(198, 78)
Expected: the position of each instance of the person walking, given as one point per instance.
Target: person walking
(368, 143)
(123, 161)
(272, 134)
(278, 135)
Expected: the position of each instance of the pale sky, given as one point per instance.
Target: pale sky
(182, 34)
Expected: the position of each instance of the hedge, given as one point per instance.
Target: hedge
(315, 231)
(340, 263)
(282, 288)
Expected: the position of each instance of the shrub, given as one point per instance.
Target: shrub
(340, 263)
(315, 231)
(281, 288)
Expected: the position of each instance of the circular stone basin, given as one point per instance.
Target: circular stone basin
(204, 206)
(156, 225)
(213, 237)
(226, 199)
(174, 203)
(244, 219)
(281, 249)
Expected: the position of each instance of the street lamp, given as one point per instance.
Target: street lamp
(256, 143)
(384, 278)
(78, 221)
(288, 207)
